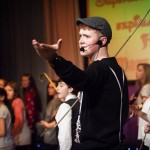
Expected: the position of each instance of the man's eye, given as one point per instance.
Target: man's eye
(87, 36)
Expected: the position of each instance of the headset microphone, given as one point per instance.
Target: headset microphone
(82, 49)
(99, 42)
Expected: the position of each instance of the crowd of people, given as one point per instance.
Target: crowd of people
(23, 99)
(22, 116)
(86, 109)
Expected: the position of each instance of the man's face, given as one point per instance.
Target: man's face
(88, 38)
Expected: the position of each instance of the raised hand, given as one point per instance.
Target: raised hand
(46, 51)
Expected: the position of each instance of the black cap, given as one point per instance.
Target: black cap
(97, 23)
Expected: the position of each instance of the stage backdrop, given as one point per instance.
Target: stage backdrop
(124, 16)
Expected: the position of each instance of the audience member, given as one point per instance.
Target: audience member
(2, 83)
(143, 120)
(20, 129)
(143, 81)
(31, 98)
(6, 121)
(143, 103)
(50, 139)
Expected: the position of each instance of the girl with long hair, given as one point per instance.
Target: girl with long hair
(20, 129)
(6, 121)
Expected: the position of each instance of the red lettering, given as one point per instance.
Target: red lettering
(113, 3)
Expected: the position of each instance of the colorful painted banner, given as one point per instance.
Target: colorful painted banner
(124, 16)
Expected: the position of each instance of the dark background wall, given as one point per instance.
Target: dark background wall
(20, 22)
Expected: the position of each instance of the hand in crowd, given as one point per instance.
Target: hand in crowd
(134, 108)
(44, 123)
(147, 128)
(47, 125)
(46, 51)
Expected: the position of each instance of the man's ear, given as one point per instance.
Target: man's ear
(103, 39)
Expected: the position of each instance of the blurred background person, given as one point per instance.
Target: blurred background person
(20, 129)
(50, 140)
(6, 121)
(2, 82)
(143, 114)
(143, 81)
(32, 101)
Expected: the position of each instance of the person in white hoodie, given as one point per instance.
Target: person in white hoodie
(144, 126)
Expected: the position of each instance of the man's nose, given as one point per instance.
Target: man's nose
(81, 40)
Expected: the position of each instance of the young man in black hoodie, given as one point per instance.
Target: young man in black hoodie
(103, 86)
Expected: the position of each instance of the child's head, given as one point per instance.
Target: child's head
(12, 90)
(64, 90)
(2, 83)
(27, 81)
(143, 73)
(5, 101)
(3, 94)
(51, 91)
(50, 88)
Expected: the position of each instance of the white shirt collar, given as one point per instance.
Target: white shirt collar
(70, 96)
